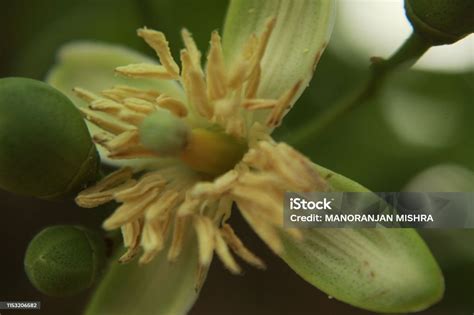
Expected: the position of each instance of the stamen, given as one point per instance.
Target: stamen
(265, 230)
(139, 105)
(189, 206)
(111, 181)
(94, 199)
(130, 211)
(191, 46)
(254, 79)
(158, 42)
(133, 152)
(284, 103)
(239, 74)
(180, 227)
(85, 95)
(263, 39)
(130, 117)
(120, 92)
(229, 115)
(106, 106)
(168, 200)
(205, 234)
(173, 105)
(224, 210)
(117, 110)
(215, 188)
(131, 233)
(102, 137)
(268, 204)
(253, 82)
(195, 86)
(224, 254)
(152, 240)
(106, 123)
(242, 67)
(258, 103)
(293, 167)
(215, 71)
(145, 70)
(239, 248)
(146, 183)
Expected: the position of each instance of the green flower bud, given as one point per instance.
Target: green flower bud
(164, 133)
(64, 260)
(441, 22)
(45, 148)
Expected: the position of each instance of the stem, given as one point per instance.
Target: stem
(406, 56)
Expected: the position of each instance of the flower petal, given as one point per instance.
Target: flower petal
(300, 36)
(157, 288)
(382, 270)
(91, 65)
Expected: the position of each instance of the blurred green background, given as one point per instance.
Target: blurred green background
(419, 120)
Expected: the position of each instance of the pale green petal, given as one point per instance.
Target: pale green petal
(300, 36)
(158, 288)
(383, 270)
(91, 65)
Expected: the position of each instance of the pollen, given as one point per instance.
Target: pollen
(200, 153)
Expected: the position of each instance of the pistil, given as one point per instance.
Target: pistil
(212, 152)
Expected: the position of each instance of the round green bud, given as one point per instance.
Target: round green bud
(45, 147)
(441, 22)
(64, 260)
(164, 133)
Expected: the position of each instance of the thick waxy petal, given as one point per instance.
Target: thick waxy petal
(300, 35)
(157, 288)
(91, 66)
(383, 270)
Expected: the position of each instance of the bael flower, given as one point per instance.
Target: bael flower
(192, 141)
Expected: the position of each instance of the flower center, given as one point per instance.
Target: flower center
(212, 152)
(207, 151)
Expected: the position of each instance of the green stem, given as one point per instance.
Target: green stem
(411, 50)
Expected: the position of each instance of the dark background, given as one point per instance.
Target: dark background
(361, 146)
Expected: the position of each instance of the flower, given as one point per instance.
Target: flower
(193, 141)
(219, 153)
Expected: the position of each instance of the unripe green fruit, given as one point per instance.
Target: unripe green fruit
(45, 148)
(441, 22)
(64, 260)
